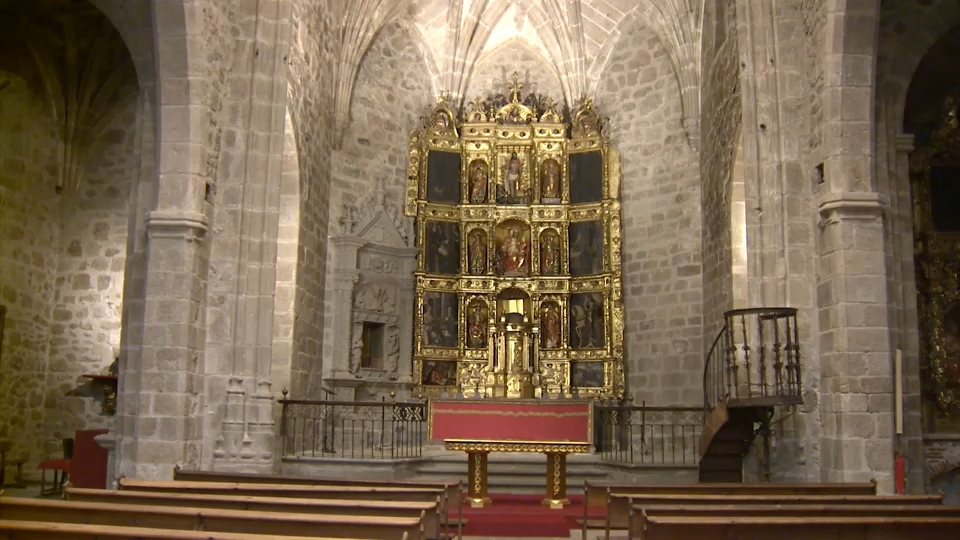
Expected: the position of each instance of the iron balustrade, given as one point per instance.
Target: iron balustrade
(353, 429)
(631, 434)
(755, 359)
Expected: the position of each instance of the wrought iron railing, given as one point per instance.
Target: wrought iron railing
(756, 357)
(353, 429)
(631, 434)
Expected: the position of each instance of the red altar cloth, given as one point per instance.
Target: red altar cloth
(530, 421)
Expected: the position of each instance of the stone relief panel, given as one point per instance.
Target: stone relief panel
(373, 275)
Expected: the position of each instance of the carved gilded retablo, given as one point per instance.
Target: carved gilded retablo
(518, 285)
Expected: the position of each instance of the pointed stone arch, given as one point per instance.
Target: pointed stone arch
(517, 44)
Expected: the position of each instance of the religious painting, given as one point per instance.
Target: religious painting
(951, 346)
(477, 252)
(439, 373)
(586, 248)
(443, 177)
(586, 177)
(513, 186)
(550, 182)
(479, 174)
(586, 374)
(550, 333)
(586, 321)
(550, 252)
(440, 315)
(442, 248)
(513, 248)
(477, 315)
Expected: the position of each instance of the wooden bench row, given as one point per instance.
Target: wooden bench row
(755, 511)
(453, 491)
(255, 510)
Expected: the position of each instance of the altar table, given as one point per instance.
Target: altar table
(480, 426)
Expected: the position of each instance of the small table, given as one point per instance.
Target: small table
(555, 428)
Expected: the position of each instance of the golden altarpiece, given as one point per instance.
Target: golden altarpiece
(935, 187)
(518, 286)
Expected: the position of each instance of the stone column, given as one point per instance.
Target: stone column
(407, 310)
(856, 361)
(345, 277)
(160, 402)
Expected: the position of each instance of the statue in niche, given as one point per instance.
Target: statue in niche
(550, 326)
(549, 253)
(477, 326)
(550, 181)
(356, 349)
(513, 251)
(511, 190)
(477, 252)
(478, 181)
(393, 350)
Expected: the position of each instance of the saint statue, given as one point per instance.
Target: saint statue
(513, 250)
(477, 326)
(478, 182)
(550, 180)
(550, 255)
(477, 252)
(550, 327)
(512, 175)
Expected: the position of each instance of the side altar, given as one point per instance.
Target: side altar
(480, 426)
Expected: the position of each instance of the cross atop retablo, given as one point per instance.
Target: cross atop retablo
(515, 87)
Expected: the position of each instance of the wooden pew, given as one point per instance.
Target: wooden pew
(43, 530)
(407, 494)
(620, 504)
(595, 493)
(235, 521)
(793, 528)
(452, 499)
(429, 510)
(789, 510)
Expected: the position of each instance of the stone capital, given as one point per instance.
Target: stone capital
(904, 142)
(182, 224)
(850, 205)
(344, 280)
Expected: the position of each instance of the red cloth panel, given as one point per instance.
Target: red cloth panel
(511, 422)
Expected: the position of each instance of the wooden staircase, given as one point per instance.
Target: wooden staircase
(753, 367)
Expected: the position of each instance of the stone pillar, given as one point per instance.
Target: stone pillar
(160, 400)
(856, 361)
(405, 364)
(345, 277)
(108, 441)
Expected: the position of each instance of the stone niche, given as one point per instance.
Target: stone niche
(373, 308)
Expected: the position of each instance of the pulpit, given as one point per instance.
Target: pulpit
(480, 426)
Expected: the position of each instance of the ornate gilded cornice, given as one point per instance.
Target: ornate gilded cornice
(504, 446)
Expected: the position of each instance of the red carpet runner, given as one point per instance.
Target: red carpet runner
(523, 516)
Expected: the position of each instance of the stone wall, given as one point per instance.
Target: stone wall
(720, 124)
(310, 101)
(88, 298)
(393, 91)
(29, 241)
(661, 223)
(496, 68)
(61, 273)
